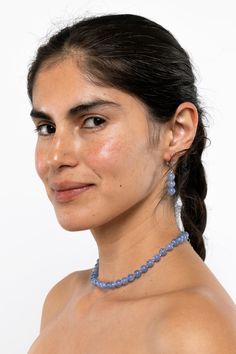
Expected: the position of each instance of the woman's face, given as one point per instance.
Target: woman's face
(94, 135)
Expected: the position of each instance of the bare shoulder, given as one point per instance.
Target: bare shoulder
(197, 322)
(60, 294)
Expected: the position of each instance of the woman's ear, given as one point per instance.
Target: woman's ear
(181, 130)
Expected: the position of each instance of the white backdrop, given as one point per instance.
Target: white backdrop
(35, 252)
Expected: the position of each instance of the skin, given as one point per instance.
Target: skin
(177, 301)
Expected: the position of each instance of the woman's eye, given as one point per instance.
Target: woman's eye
(89, 123)
(45, 129)
(96, 121)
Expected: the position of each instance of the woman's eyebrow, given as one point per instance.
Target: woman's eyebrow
(83, 107)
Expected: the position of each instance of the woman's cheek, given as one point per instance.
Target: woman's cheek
(40, 164)
(108, 156)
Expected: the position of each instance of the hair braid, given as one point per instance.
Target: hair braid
(192, 189)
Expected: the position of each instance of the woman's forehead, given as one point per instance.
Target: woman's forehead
(66, 82)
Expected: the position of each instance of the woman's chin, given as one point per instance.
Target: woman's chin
(72, 225)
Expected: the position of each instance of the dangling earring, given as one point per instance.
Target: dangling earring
(171, 182)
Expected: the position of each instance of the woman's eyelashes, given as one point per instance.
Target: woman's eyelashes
(45, 129)
(97, 120)
(94, 122)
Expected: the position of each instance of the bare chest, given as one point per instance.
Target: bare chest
(100, 328)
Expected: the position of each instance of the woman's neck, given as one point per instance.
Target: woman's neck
(128, 241)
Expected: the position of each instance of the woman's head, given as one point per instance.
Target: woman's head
(139, 65)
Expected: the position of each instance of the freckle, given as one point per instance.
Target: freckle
(120, 185)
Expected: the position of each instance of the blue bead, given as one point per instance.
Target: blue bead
(171, 176)
(169, 247)
(150, 263)
(143, 268)
(173, 242)
(187, 235)
(170, 183)
(157, 257)
(137, 273)
(118, 283)
(177, 240)
(180, 239)
(124, 281)
(162, 252)
(131, 277)
(171, 191)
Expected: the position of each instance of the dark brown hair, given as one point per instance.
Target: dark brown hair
(140, 57)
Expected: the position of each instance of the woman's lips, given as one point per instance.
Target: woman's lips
(67, 195)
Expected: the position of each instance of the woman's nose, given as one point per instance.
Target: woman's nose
(63, 150)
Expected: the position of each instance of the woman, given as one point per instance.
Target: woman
(120, 138)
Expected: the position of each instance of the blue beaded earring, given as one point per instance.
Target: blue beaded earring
(171, 183)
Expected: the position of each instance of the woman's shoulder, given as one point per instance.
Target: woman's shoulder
(198, 320)
(60, 294)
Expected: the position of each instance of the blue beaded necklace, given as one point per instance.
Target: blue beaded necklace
(183, 236)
